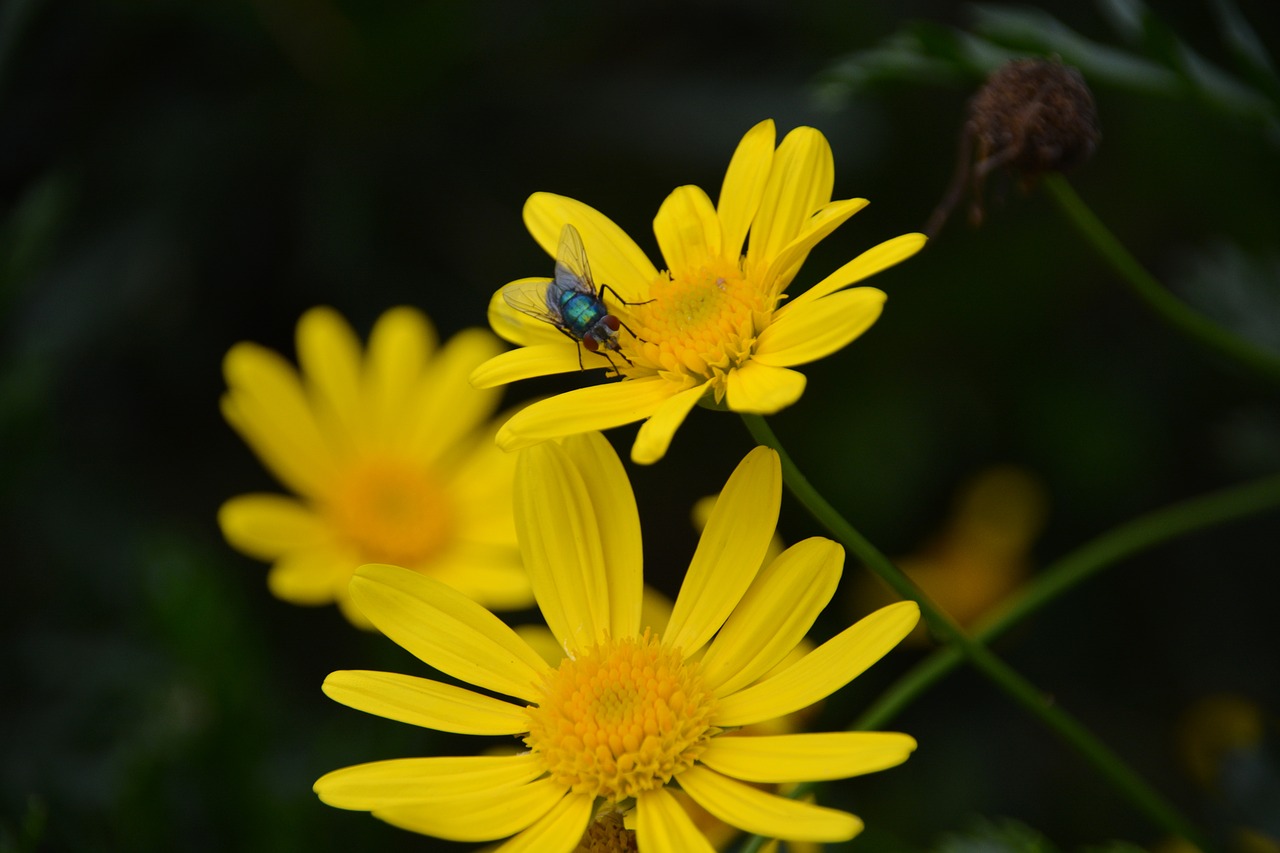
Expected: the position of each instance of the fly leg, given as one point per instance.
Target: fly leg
(600, 296)
(577, 344)
(604, 287)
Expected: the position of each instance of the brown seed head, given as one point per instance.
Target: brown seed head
(1036, 116)
(607, 834)
(1032, 116)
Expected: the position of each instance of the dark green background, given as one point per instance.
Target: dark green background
(175, 177)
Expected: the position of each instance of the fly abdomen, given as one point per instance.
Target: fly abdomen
(581, 312)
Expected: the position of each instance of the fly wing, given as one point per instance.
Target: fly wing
(572, 270)
(530, 297)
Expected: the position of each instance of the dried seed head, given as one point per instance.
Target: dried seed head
(1036, 116)
(1032, 116)
(607, 834)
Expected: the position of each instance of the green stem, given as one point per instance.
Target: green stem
(1128, 783)
(1064, 574)
(1166, 305)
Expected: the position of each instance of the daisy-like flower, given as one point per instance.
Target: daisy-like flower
(627, 713)
(719, 325)
(389, 453)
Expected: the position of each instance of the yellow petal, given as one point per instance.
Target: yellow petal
(762, 388)
(517, 326)
(380, 784)
(823, 671)
(268, 526)
(445, 629)
(561, 542)
(609, 491)
(655, 434)
(784, 267)
(311, 577)
(799, 184)
(688, 230)
(729, 551)
(744, 183)
(614, 257)
(481, 816)
(806, 757)
(426, 703)
(817, 329)
(400, 346)
(331, 363)
(598, 407)
(774, 615)
(446, 409)
(865, 265)
(266, 405)
(663, 824)
(528, 362)
(558, 831)
(745, 807)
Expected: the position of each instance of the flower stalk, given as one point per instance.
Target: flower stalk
(1065, 574)
(1111, 767)
(1167, 306)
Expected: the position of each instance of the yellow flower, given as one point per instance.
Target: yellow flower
(718, 325)
(627, 712)
(390, 454)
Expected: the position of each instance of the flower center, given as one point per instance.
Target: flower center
(391, 511)
(625, 717)
(703, 322)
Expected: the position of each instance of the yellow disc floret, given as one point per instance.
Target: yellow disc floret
(391, 511)
(702, 322)
(624, 717)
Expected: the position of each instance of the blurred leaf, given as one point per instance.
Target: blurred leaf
(26, 834)
(997, 836)
(1005, 835)
(28, 235)
(1162, 43)
(1038, 32)
(923, 53)
(1162, 62)
(1239, 290)
(1244, 44)
(1125, 17)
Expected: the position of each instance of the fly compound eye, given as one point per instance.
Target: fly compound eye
(612, 323)
(591, 344)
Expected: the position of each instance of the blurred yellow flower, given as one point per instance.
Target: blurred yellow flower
(1222, 739)
(718, 325)
(626, 712)
(982, 552)
(389, 453)
(1215, 727)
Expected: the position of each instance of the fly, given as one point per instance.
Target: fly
(572, 303)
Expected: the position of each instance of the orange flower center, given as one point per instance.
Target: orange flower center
(625, 717)
(702, 322)
(391, 511)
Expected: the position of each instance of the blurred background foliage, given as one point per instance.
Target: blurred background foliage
(175, 177)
